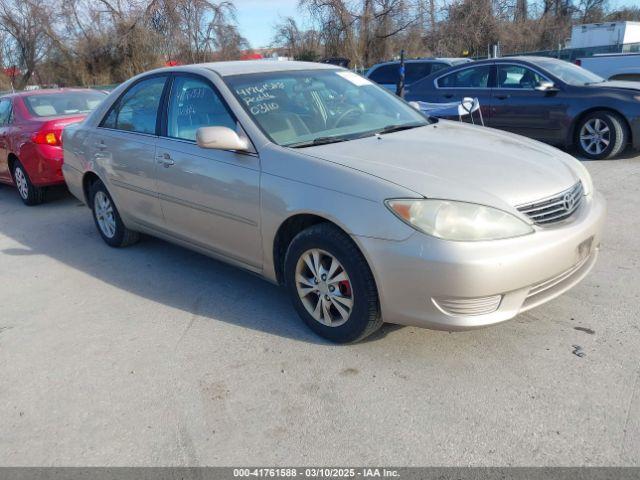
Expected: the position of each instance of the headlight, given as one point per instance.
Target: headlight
(451, 220)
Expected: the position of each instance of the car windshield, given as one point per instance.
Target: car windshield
(311, 107)
(63, 103)
(570, 73)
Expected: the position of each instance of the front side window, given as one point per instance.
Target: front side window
(5, 111)
(299, 108)
(517, 76)
(137, 110)
(416, 70)
(475, 77)
(63, 103)
(386, 74)
(194, 104)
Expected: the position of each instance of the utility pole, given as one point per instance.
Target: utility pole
(400, 86)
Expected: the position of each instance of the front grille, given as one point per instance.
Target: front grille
(465, 307)
(556, 208)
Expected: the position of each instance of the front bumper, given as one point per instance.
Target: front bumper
(428, 282)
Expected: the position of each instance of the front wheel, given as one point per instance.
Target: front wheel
(331, 284)
(107, 218)
(601, 135)
(29, 193)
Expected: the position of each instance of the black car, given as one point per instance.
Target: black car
(543, 98)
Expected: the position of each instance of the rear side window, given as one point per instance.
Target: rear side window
(5, 111)
(65, 103)
(386, 74)
(137, 110)
(476, 77)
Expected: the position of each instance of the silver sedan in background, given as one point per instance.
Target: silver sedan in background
(319, 180)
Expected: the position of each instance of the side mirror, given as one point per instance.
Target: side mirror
(545, 86)
(220, 138)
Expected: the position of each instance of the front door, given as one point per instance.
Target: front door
(124, 145)
(210, 198)
(519, 108)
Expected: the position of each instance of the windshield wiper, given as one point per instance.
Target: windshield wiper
(398, 128)
(318, 141)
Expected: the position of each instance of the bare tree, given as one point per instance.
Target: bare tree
(23, 22)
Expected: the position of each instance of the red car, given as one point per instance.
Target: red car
(31, 125)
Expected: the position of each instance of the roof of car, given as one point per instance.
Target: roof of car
(448, 60)
(240, 67)
(520, 58)
(46, 91)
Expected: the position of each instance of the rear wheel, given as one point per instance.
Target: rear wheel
(107, 218)
(601, 135)
(29, 193)
(331, 285)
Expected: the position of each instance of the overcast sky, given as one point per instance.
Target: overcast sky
(256, 18)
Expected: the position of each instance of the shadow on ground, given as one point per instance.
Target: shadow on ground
(152, 269)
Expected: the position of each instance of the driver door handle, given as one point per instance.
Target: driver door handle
(165, 160)
(503, 96)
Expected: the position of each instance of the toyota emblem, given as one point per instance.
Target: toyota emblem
(568, 201)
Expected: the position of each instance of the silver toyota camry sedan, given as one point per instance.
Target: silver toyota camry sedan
(315, 178)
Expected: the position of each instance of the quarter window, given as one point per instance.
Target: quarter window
(5, 111)
(517, 76)
(137, 110)
(194, 104)
(477, 77)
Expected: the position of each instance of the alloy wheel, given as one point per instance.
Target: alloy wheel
(595, 136)
(324, 287)
(21, 183)
(104, 214)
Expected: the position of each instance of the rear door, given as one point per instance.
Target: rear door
(124, 147)
(519, 108)
(5, 127)
(210, 198)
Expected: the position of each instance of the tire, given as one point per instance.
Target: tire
(107, 218)
(357, 285)
(28, 192)
(601, 135)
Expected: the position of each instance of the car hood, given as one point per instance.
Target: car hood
(458, 161)
(619, 84)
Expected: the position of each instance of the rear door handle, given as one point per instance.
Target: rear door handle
(448, 95)
(100, 145)
(165, 160)
(504, 96)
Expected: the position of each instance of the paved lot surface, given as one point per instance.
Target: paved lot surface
(154, 355)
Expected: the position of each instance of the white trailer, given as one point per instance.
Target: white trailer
(601, 34)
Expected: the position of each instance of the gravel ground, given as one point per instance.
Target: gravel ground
(154, 355)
